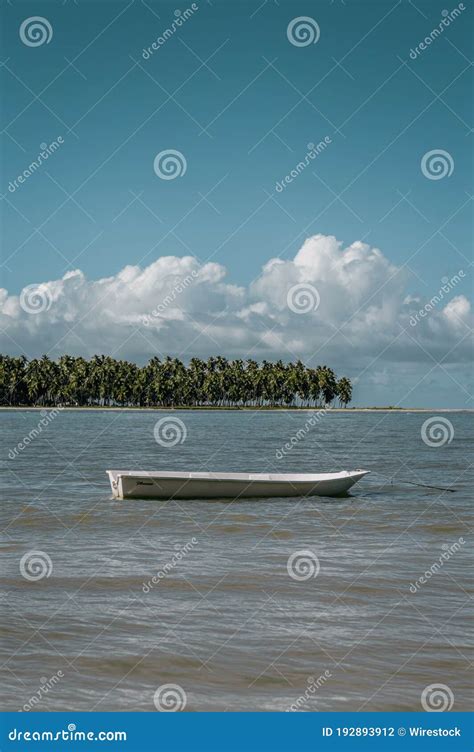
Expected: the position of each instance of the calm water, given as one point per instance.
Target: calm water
(227, 623)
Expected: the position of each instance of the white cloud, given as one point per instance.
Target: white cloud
(180, 307)
(457, 311)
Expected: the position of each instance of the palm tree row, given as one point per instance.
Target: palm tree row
(216, 382)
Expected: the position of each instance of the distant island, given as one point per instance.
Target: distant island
(216, 382)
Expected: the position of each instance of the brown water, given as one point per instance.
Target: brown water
(225, 620)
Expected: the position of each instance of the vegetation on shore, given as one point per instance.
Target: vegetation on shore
(216, 382)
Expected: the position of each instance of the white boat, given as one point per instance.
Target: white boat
(139, 484)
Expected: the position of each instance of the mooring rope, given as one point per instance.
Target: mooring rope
(421, 485)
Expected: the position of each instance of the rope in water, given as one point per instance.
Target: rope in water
(421, 485)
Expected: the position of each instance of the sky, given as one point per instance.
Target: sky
(113, 245)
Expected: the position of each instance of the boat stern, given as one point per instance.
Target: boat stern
(115, 483)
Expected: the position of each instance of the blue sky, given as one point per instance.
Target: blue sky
(240, 102)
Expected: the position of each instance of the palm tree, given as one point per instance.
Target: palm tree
(35, 380)
(13, 390)
(314, 386)
(196, 376)
(344, 391)
(254, 382)
(327, 384)
(218, 382)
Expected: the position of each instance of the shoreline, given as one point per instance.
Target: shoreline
(344, 410)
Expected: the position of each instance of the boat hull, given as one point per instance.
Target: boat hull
(143, 485)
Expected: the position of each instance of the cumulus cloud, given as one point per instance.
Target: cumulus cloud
(358, 310)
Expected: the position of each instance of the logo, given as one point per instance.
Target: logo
(35, 565)
(170, 164)
(303, 31)
(437, 164)
(35, 299)
(303, 565)
(303, 298)
(170, 698)
(437, 698)
(35, 31)
(437, 431)
(170, 431)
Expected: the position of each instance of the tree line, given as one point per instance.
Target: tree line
(216, 382)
